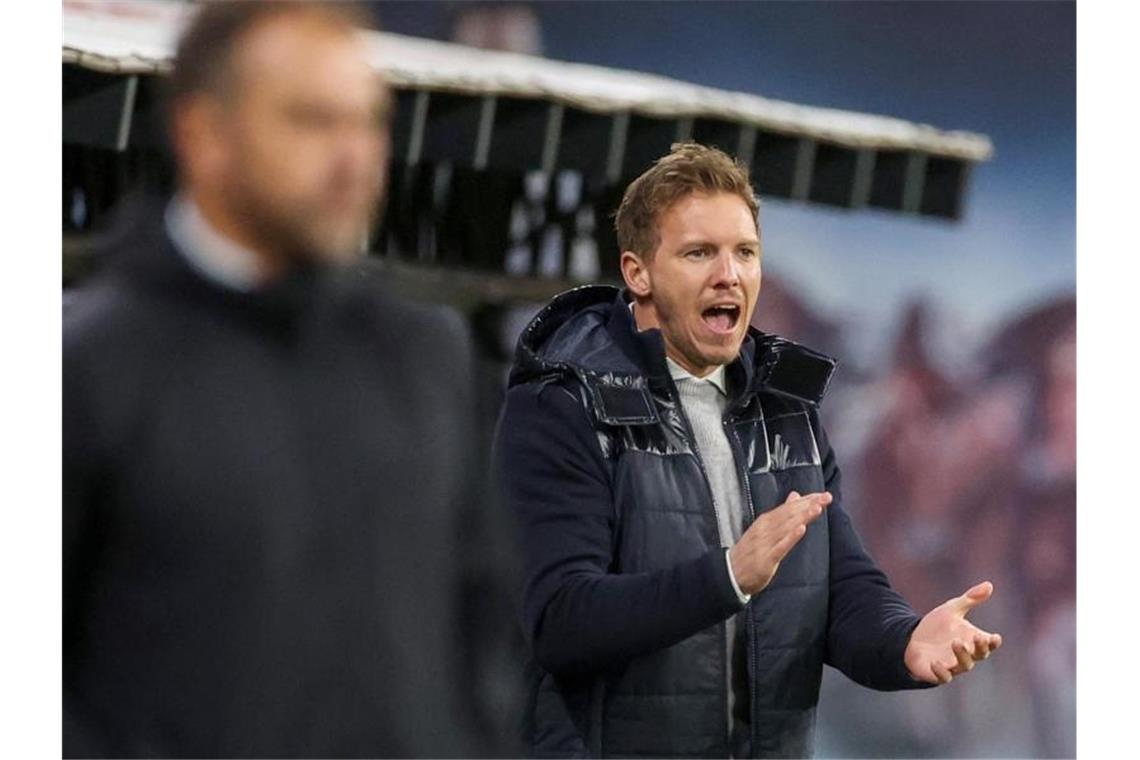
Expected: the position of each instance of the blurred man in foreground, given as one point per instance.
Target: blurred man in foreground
(689, 567)
(265, 457)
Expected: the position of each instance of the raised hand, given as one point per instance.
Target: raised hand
(945, 644)
(757, 555)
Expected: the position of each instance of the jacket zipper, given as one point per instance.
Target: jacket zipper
(727, 722)
(750, 633)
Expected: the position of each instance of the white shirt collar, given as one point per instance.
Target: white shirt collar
(716, 377)
(677, 372)
(209, 252)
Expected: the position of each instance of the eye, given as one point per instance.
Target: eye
(696, 253)
(749, 253)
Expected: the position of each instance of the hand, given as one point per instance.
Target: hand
(757, 555)
(945, 644)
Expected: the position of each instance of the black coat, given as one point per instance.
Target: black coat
(626, 586)
(268, 501)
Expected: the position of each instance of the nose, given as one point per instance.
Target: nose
(727, 272)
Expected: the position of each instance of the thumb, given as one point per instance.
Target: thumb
(975, 596)
(792, 496)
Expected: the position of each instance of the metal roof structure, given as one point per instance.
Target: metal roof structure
(493, 110)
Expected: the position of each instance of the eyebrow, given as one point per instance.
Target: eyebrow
(703, 243)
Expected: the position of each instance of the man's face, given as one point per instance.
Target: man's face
(701, 284)
(302, 143)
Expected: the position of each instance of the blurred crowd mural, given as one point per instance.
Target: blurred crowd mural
(955, 474)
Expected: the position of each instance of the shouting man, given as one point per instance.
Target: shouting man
(689, 568)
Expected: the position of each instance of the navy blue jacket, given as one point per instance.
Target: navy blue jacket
(626, 587)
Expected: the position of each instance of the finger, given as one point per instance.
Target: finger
(787, 542)
(781, 514)
(797, 500)
(975, 596)
(786, 516)
(931, 678)
(941, 672)
(981, 646)
(824, 498)
(962, 653)
(790, 516)
(811, 512)
(808, 508)
(803, 514)
(991, 641)
(976, 642)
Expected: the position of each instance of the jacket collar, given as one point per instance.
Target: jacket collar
(590, 333)
(645, 348)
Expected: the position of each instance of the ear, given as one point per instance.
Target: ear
(196, 137)
(636, 274)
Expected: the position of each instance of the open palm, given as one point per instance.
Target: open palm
(945, 644)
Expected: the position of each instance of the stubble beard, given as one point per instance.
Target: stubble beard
(299, 234)
(681, 343)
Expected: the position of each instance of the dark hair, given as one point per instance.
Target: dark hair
(688, 168)
(203, 60)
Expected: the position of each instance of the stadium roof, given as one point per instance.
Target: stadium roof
(488, 109)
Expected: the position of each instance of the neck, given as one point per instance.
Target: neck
(698, 372)
(645, 318)
(225, 222)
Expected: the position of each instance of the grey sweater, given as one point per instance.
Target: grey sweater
(704, 402)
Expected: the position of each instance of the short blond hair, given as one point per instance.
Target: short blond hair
(688, 168)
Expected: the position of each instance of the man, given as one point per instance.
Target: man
(265, 456)
(689, 568)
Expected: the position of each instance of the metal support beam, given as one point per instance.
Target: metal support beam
(684, 129)
(861, 182)
(914, 182)
(963, 184)
(805, 164)
(552, 137)
(618, 131)
(746, 145)
(419, 124)
(483, 137)
(126, 116)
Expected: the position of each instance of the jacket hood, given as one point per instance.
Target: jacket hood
(588, 332)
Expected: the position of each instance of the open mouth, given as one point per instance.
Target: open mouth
(721, 319)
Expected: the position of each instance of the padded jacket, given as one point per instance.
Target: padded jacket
(626, 587)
